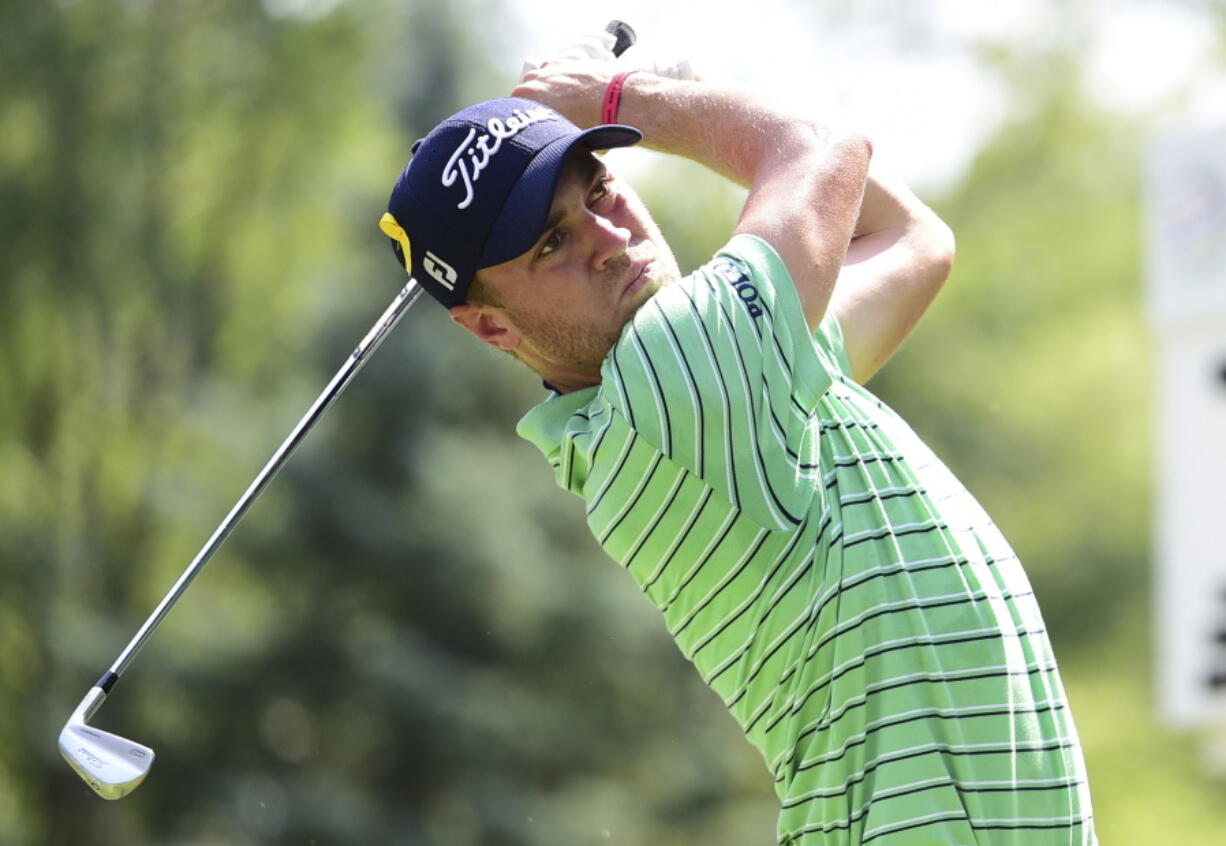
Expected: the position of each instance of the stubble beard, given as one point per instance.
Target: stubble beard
(579, 345)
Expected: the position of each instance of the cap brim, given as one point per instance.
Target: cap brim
(523, 215)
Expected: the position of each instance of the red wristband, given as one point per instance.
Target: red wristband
(613, 96)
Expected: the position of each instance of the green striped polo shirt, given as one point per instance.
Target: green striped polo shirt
(854, 607)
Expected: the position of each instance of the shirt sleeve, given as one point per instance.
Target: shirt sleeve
(722, 375)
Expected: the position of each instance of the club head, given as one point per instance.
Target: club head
(113, 766)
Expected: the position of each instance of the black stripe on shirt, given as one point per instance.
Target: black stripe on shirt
(677, 544)
(643, 485)
(879, 798)
(666, 436)
(630, 443)
(699, 446)
(648, 531)
(1071, 824)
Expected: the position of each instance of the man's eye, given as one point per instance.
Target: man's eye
(602, 189)
(551, 243)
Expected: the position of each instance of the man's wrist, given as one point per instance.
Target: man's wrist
(612, 97)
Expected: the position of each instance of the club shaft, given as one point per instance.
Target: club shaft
(407, 296)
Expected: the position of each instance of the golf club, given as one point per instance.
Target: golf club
(114, 766)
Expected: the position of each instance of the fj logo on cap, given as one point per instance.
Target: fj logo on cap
(482, 150)
(439, 270)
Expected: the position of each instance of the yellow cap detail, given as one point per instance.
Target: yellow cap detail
(393, 230)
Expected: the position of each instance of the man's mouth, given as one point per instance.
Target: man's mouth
(638, 280)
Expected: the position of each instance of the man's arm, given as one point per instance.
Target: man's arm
(805, 179)
(899, 259)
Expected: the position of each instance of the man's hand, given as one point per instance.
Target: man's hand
(574, 80)
(574, 86)
(600, 45)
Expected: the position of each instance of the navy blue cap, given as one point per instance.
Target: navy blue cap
(479, 187)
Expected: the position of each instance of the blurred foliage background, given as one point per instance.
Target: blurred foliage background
(412, 639)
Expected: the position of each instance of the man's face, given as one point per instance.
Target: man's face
(561, 306)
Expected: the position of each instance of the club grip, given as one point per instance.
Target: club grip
(624, 34)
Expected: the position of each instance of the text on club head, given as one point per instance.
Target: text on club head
(91, 759)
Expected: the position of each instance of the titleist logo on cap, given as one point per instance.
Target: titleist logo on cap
(481, 150)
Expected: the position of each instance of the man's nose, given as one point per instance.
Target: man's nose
(609, 241)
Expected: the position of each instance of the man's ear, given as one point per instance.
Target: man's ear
(490, 325)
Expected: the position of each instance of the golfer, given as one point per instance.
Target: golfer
(856, 610)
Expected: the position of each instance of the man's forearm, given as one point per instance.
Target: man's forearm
(900, 257)
(726, 129)
(729, 130)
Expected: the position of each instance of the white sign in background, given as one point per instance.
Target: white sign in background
(1187, 300)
